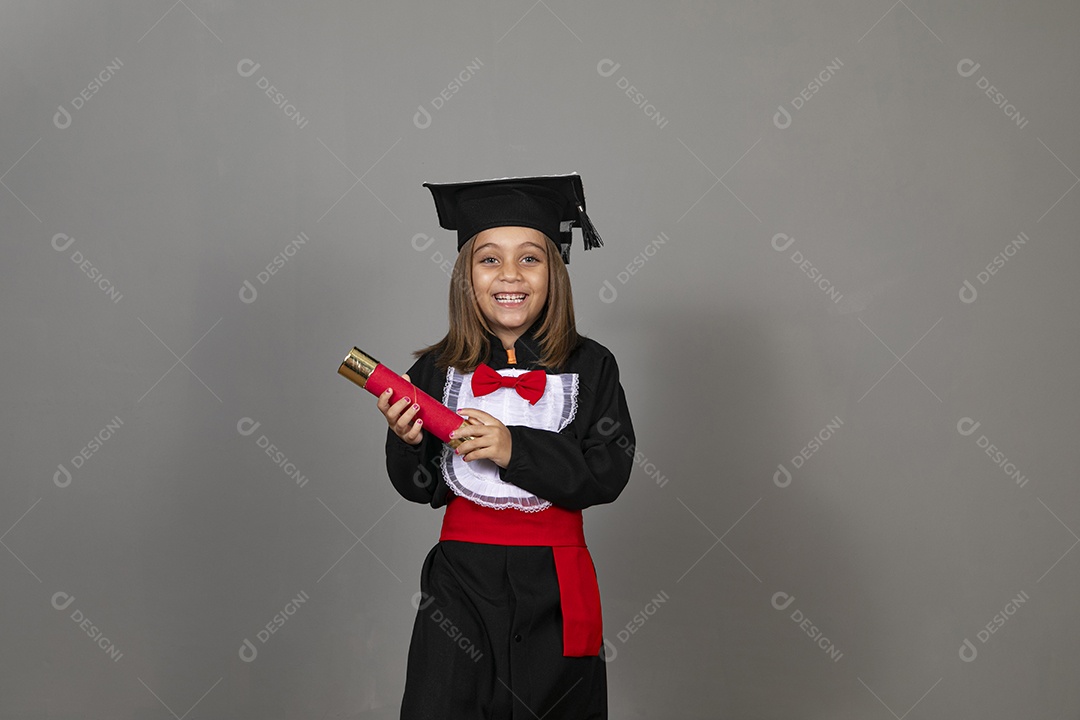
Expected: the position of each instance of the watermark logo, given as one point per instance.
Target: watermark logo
(62, 242)
(968, 650)
(782, 242)
(968, 68)
(638, 621)
(422, 118)
(609, 651)
(246, 427)
(248, 650)
(782, 118)
(423, 477)
(607, 67)
(966, 427)
(422, 241)
(62, 600)
(782, 476)
(422, 601)
(248, 292)
(608, 292)
(968, 293)
(608, 426)
(782, 600)
(62, 117)
(62, 477)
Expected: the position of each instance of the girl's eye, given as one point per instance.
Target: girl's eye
(529, 259)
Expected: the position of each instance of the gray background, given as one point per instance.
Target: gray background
(899, 179)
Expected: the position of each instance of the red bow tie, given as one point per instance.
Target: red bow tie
(529, 386)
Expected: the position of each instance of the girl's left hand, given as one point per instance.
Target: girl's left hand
(491, 439)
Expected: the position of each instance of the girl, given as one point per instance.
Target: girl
(508, 620)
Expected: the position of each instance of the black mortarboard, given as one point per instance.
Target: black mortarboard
(552, 204)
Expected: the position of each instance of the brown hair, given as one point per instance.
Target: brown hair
(466, 344)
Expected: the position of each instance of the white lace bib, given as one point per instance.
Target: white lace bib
(478, 480)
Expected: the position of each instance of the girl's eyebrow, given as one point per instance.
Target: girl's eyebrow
(491, 244)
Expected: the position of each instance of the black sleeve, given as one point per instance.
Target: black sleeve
(414, 469)
(576, 473)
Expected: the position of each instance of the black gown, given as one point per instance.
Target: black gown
(487, 641)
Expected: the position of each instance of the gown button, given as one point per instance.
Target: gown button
(517, 638)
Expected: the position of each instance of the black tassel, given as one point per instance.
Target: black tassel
(589, 235)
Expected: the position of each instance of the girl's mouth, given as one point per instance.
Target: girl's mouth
(510, 300)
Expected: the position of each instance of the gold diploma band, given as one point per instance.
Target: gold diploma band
(358, 366)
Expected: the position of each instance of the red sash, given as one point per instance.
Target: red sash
(563, 531)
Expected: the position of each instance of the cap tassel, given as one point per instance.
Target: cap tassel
(589, 235)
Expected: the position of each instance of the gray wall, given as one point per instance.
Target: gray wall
(856, 491)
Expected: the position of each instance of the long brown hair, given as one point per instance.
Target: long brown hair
(466, 343)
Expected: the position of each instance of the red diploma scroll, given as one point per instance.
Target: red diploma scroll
(370, 374)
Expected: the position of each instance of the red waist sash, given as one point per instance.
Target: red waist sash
(563, 531)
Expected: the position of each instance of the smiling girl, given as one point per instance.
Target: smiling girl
(508, 620)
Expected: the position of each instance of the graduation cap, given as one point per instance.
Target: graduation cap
(552, 204)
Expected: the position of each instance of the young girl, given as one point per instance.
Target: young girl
(508, 620)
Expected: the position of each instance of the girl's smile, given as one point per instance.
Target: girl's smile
(510, 300)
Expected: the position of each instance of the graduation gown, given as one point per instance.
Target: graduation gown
(487, 641)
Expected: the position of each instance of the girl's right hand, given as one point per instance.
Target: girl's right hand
(400, 416)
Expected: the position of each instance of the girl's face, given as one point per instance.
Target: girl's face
(510, 278)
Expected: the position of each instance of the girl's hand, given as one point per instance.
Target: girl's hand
(491, 439)
(400, 416)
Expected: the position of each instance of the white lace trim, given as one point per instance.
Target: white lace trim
(478, 480)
